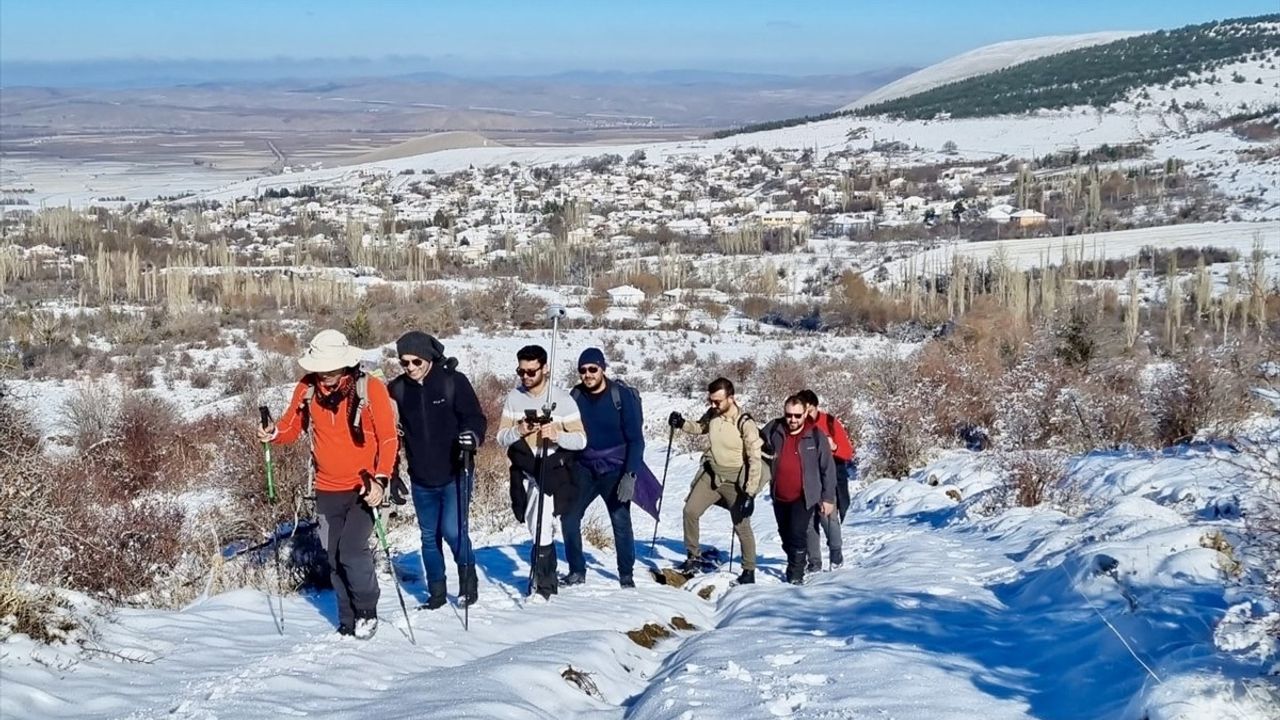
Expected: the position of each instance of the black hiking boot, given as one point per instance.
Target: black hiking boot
(545, 581)
(691, 565)
(468, 590)
(796, 568)
(748, 577)
(626, 581)
(573, 578)
(437, 594)
(345, 629)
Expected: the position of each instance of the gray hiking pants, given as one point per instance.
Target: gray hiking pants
(345, 526)
(830, 526)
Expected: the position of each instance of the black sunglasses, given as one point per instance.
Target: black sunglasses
(528, 373)
(588, 370)
(414, 362)
(793, 415)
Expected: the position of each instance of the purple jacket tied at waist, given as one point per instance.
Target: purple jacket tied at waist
(600, 462)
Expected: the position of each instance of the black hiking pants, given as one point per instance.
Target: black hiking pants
(345, 526)
(793, 519)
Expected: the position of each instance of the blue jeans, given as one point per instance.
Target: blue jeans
(590, 487)
(437, 509)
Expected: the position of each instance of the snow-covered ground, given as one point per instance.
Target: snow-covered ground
(1025, 253)
(940, 612)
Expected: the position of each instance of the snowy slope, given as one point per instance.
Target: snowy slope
(941, 612)
(980, 61)
(1025, 253)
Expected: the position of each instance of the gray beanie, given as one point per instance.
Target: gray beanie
(416, 342)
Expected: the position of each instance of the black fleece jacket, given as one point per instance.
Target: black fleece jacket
(431, 425)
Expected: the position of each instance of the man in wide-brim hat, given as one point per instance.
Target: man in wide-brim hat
(348, 418)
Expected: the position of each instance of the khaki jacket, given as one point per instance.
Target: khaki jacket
(731, 446)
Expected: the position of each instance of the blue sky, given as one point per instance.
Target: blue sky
(549, 35)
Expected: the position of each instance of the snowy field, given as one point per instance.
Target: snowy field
(1026, 253)
(940, 612)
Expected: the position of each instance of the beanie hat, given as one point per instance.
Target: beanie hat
(592, 356)
(416, 342)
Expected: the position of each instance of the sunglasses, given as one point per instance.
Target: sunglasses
(588, 370)
(414, 362)
(528, 373)
(793, 415)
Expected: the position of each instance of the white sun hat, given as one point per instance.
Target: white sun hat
(329, 351)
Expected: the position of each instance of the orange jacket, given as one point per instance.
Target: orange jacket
(831, 426)
(337, 457)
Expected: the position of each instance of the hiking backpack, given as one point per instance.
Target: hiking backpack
(616, 388)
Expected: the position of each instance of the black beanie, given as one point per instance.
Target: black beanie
(416, 342)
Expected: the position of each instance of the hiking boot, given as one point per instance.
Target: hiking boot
(365, 628)
(438, 591)
(545, 580)
(836, 565)
(345, 629)
(690, 566)
(748, 577)
(837, 559)
(795, 568)
(468, 591)
(814, 567)
(626, 581)
(573, 578)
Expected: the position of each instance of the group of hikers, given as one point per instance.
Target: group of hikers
(413, 439)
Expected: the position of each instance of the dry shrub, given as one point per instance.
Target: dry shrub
(894, 433)
(962, 394)
(854, 304)
(781, 377)
(272, 337)
(491, 503)
(1036, 477)
(597, 532)
(31, 610)
(1108, 406)
(91, 412)
(1030, 413)
(1202, 389)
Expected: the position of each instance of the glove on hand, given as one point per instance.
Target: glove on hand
(399, 491)
(467, 441)
(626, 487)
(675, 420)
(746, 505)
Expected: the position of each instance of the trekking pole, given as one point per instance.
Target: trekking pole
(671, 438)
(554, 313)
(382, 539)
(464, 521)
(265, 416)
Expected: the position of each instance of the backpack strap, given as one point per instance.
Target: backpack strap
(616, 395)
(831, 427)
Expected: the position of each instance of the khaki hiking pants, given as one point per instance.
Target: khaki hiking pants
(724, 493)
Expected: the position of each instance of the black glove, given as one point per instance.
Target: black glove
(467, 441)
(399, 491)
(745, 505)
(675, 420)
(626, 487)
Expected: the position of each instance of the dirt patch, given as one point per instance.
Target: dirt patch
(706, 592)
(667, 576)
(679, 623)
(649, 635)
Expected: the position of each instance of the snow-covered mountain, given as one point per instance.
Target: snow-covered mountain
(983, 60)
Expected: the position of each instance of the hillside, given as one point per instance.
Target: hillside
(981, 61)
(1100, 75)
